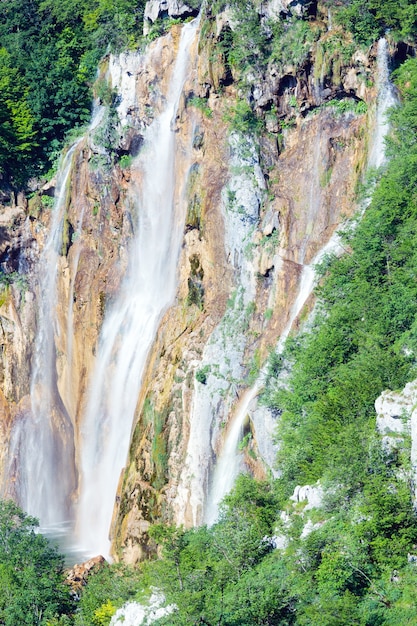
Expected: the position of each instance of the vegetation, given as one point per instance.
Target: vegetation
(369, 19)
(48, 58)
(107, 590)
(32, 588)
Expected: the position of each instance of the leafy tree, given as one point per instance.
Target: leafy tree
(31, 572)
(108, 588)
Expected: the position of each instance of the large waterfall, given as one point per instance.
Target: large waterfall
(130, 325)
(115, 240)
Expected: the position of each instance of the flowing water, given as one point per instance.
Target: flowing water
(131, 323)
(230, 460)
(387, 98)
(69, 398)
(42, 442)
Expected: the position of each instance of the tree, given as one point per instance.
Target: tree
(32, 588)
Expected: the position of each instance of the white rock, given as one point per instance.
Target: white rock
(397, 415)
(309, 527)
(312, 494)
(136, 614)
(393, 409)
(159, 8)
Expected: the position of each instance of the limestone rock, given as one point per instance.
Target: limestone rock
(393, 409)
(9, 216)
(312, 495)
(274, 8)
(397, 415)
(155, 9)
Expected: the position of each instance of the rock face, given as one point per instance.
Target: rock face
(157, 9)
(396, 418)
(258, 210)
(312, 495)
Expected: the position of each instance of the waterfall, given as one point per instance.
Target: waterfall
(41, 465)
(230, 460)
(387, 97)
(230, 463)
(42, 441)
(131, 322)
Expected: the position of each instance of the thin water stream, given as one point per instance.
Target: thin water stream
(42, 441)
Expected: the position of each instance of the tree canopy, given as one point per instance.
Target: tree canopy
(32, 588)
(48, 60)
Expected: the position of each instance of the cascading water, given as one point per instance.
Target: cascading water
(42, 443)
(77, 246)
(131, 323)
(230, 460)
(387, 98)
(41, 452)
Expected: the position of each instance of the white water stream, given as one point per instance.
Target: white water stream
(42, 443)
(130, 325)
(41, 451)
(387, 98)
(230, 460)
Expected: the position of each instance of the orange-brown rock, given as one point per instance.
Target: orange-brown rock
(77, 576)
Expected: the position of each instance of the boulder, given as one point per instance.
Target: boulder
(78, 575)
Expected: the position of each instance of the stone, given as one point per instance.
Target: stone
(155, 9)
(78, 575)
(311, 494)
(393, 410)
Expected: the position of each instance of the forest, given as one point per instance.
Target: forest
(357, 564)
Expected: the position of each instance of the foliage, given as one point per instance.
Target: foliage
(369, 19)
(201, 374)
(107, 590)
(201, 104)
(242, 119)
(31, 572)
(48, 60)
(347, 105)
(291, 42)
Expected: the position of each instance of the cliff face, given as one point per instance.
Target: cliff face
(258, 209)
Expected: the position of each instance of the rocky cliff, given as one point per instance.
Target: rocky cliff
(264, 189)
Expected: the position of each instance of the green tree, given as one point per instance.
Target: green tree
(31, 572)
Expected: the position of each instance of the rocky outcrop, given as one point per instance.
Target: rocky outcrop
(310, 495)
(78, 575)
(159, 9)
(396, 419)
